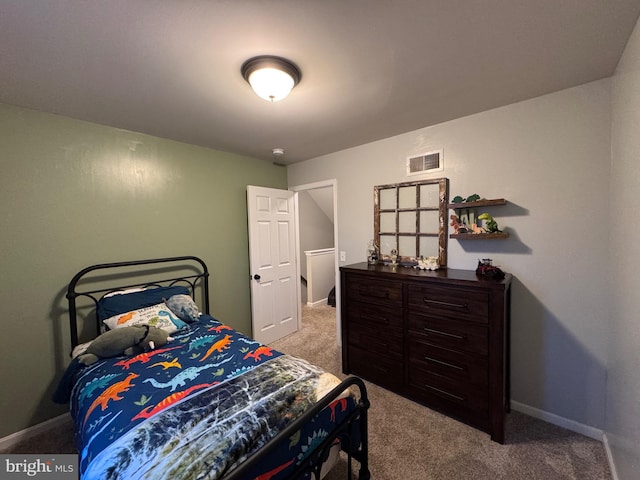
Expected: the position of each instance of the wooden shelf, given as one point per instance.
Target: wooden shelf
(478, 236)
(474, 205)
(479, 203)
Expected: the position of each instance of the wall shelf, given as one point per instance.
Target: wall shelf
(478, 236)
(457, 207)
(479, 203)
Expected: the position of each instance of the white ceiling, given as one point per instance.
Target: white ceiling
(370, 68)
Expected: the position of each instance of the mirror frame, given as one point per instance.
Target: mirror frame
(441, 208)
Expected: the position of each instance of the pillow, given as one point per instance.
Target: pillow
(124, 292)
(155, 316)
(119, 304)
(184, 307)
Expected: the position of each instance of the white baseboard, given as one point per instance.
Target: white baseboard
(559, 421)
(574, 426)
(17, 437)
(612, 465)
(319, 302)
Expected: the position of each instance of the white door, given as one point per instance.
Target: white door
(272, 262)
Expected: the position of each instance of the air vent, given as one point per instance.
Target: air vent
(425, 163)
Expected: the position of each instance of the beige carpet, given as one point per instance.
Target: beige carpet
(411, 442)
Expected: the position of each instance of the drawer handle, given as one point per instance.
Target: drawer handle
(374, 319)
(374, 293)
(382, 369)
(376, 343)
(446, 334)
(464, 306)
(457, 397)
(446, 364)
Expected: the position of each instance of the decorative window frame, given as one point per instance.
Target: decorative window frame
(402, 192)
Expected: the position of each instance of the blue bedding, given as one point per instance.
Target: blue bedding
(197, 407)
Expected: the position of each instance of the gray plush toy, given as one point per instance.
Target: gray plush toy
(124, 341)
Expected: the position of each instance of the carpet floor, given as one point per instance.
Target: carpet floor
(408, 441)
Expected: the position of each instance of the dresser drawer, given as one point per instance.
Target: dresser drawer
(383, 371)
(375, 316)
(384, 344)
(449, 302)
(467, 336)
(426, 386)
(380, 292)
(452, 364)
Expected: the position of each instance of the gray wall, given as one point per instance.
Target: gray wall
(623, 381)
(549, 157)
(316, 231)
(73, 194)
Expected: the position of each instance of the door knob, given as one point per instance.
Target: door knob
(256, 277)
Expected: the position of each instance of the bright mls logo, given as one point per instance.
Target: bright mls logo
(50, 467)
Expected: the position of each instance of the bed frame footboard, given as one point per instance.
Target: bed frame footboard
(355, 422)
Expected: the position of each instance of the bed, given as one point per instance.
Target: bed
(210, 404)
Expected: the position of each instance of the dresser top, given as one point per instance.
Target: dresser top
(449, 275)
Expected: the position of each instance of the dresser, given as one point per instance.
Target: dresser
(440, 338)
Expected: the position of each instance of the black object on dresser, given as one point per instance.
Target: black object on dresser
(437, 337)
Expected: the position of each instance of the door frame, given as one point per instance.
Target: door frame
(313, 186)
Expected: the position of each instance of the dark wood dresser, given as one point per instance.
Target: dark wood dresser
(440, 338)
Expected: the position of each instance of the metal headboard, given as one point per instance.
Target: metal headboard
(185, 263)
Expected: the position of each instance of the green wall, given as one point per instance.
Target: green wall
(73, 194)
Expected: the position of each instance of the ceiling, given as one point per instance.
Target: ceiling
(371, 69)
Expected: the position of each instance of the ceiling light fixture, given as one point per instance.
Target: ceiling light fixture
(272, 78)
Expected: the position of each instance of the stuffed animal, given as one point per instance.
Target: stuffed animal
(124, 341)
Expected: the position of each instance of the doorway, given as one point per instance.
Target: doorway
(317, 230)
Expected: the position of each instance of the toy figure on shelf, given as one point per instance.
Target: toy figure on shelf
(471, 198)
(457, 226)
(487, 270)
(476, 229)
(465, 216)
(491, 226)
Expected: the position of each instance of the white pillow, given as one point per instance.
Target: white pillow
(155, 316)
(124, 292)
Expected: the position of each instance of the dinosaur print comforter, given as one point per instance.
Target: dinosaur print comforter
(196, 408)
